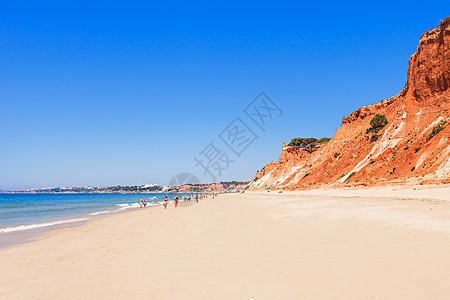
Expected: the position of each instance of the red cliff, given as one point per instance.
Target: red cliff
(413, 147)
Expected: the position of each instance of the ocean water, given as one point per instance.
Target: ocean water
(22, 216)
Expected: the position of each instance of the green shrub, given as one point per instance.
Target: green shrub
(323, 140)
(417, 149)
(374, 137)
(377, 123)
(413, 168)
(302, 142)
(436, 129)
(342, 175)
(307, 174)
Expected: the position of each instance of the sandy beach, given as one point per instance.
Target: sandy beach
(380, 243)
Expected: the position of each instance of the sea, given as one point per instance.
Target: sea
(25, 216)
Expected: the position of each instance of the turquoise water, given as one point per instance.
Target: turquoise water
(23, 213)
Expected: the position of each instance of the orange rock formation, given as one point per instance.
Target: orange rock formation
(403, 152)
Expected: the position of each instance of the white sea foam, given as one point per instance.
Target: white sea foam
(121, 207)
(128, 205)
(101, 212)
(39, 225)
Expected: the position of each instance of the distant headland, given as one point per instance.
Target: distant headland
(138, 189)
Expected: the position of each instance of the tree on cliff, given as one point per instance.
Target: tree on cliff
(377, 123)
(304, 142)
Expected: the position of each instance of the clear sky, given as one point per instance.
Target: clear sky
(128, 93)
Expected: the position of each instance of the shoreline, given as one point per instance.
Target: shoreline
(39, 233)
(18, 233)
(349, 244)
(30, 235)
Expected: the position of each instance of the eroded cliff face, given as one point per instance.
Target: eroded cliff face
(403, 152)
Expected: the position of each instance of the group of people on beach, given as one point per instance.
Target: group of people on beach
(143, 203)
(177, 201)
(188, 198)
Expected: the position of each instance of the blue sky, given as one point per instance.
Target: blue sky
(128, 93)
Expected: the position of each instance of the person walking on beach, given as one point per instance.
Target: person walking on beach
(166, 201)
(196, 198)
(176, 201)
(145, 203)
(141, 203)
